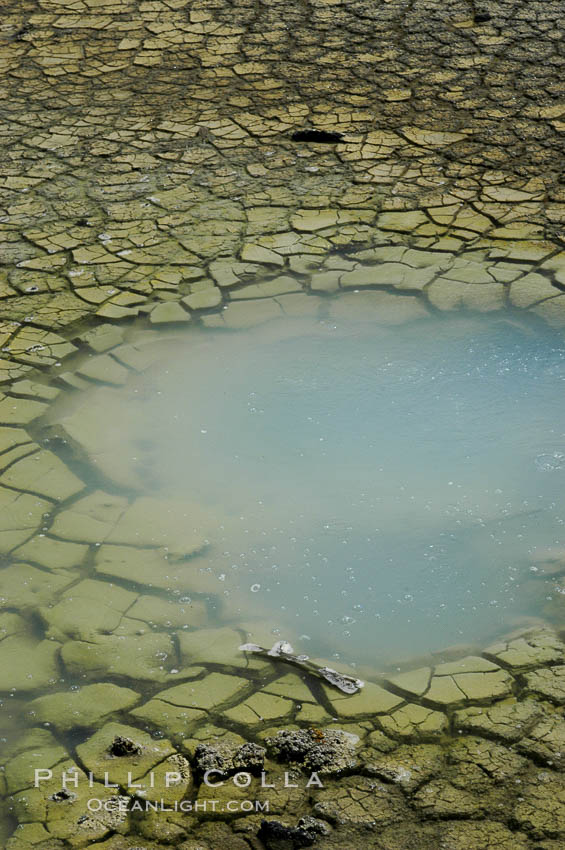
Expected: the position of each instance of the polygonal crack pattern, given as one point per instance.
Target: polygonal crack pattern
(170, 161)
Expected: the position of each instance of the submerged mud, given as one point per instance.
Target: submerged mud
(374, 493)
(221, 165)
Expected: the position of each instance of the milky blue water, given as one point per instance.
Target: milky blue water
(382, 492)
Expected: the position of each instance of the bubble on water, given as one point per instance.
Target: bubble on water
(550, 461)
(255, 588)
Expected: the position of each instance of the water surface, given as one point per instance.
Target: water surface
(380, 492)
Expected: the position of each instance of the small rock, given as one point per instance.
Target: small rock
(329, 751)
(276, 836)
(229, 758)
(121, 746)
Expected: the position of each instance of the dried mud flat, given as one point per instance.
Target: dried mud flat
(149, 178)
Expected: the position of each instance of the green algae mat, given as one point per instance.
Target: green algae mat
(171, 167)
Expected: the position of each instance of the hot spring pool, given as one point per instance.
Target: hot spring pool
(381, 493)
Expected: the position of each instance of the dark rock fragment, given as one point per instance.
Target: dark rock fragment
(329, 751)
(121, 746)
(276, 836)
(229, 758)
(62, 796)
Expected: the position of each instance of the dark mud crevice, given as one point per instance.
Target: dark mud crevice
(55, 439)
(320, 137)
